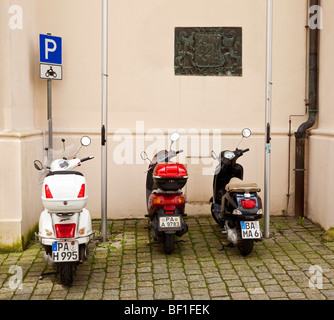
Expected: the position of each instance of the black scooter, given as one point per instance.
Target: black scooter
(236, 206)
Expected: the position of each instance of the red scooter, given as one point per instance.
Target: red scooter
(164, 198)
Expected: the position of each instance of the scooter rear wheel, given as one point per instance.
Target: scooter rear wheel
(66, 270)
(168, 243)
(245, 246)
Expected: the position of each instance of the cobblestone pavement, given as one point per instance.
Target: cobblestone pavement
(293, 264)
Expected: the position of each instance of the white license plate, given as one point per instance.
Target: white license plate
(170, 222)
(250, 230)
(65, 251)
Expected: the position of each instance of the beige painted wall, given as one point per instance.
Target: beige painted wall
(143, 87)
(321, 150)
(19, 203)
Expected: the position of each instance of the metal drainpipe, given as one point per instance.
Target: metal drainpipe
(313, 109)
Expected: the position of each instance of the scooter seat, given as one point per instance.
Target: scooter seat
(237, 185)
(165, 191)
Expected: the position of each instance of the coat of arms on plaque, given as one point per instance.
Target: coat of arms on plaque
(208, 51)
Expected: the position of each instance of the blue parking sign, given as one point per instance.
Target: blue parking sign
(50, 49)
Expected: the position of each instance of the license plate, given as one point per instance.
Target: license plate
(64, 251)
(250, 230)
(170, 222)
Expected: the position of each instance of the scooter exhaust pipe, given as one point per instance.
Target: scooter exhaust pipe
(48, 259)
(232, 236)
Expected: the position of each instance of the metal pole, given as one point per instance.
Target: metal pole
(268, 119)
(49, 95)
(104, 131)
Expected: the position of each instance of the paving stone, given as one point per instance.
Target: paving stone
(75, 296)
(259, 297)
(240, 296)
(184, 296)
(128, 294)
(163, 296)
(297, 296)
(233, 283)
(276, 294)
(236, 289)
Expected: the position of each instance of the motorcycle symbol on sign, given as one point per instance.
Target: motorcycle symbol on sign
(51, 73)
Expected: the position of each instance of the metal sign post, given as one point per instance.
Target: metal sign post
(49, 94)
(268, 119)
(104, 132)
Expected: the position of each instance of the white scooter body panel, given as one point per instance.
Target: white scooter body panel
(64, 189)
(48, 220)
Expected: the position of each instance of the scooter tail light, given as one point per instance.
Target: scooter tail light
(158, 200)
(169, 209)
(48, 193)
(248, 204)
(82, 191)
(65, 230)
(179, 200)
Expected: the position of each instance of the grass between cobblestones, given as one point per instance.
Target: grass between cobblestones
(293, 264)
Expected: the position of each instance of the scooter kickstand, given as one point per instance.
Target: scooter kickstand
(230, 245)
(46, 274)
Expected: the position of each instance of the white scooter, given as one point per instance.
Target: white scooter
(65, 226)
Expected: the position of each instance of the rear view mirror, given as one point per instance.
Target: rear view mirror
(246, 133)
(213, 155)
(144, 155)
(38, 165)
(85, 141)
(175, 136)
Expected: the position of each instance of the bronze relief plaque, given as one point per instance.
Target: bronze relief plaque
(206, 51)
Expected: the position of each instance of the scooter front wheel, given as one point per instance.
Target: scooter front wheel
(168, 243)
(66, 270)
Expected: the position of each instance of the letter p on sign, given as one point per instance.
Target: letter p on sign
(50, 49)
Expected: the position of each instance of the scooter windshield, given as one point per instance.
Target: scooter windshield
(58, 141)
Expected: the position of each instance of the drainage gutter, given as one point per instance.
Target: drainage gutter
(300, 135)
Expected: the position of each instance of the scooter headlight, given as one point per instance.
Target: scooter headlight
(237, 212)
(229, 155)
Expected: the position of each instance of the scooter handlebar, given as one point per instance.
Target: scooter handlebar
(87, 158)
(177, 152)
(246, 150)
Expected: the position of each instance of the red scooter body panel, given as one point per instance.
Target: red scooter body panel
(170, 170)
(170, 176)
(168, 201)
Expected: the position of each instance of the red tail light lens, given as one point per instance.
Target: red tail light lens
(65, 230)
(48, 193)
(169, 209)
(82, 191)
(248, 204)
